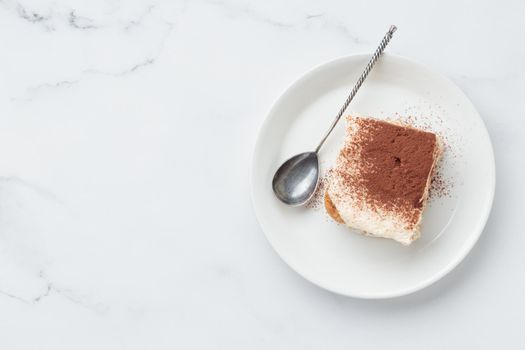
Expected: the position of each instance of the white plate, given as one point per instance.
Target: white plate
(331, 255)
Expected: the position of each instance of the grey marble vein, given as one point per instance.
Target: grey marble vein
(33, 91)
(49, 288)
(146, 62)
(316, 15)
(66, 293)
(346, 32)
(12, 296)
(138, 21)
(80, 22)
(31, 16)
(250, 13)
(53, 17)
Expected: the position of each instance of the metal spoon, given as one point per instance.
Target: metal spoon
(295, 182)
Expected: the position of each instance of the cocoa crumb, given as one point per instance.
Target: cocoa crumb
(317, 200)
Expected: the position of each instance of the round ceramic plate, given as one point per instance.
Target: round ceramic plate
(336, 257)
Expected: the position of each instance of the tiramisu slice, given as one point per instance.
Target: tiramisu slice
(380, 182)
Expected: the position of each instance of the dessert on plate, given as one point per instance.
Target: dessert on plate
(379, 184)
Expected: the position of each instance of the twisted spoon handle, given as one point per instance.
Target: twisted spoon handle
(360, 81)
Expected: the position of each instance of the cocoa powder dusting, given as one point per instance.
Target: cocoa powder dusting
(388, 166)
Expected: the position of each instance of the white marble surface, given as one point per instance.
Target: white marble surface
(126, 133)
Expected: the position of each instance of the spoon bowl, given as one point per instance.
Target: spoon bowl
(296, 180)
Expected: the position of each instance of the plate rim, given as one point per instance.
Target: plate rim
(471, 241)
